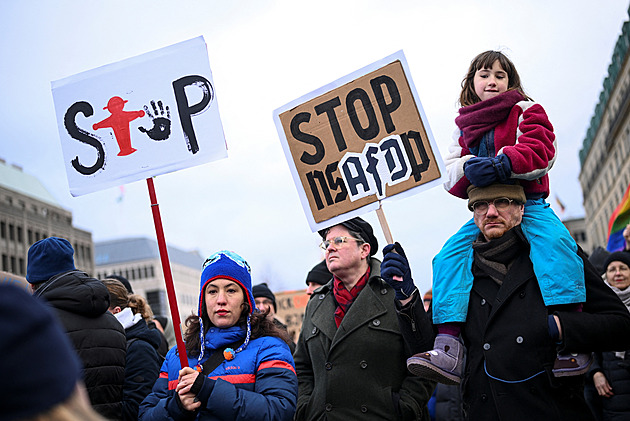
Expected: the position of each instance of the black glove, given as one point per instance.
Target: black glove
(395, 263)
(482, 171)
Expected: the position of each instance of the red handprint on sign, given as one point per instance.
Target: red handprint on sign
(119, 123)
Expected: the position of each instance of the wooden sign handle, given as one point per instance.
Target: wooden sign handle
(384, 225)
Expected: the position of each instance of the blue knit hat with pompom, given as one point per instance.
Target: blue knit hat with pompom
(228, 265)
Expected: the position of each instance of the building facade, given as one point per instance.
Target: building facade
(29, 213)
(138, 260)
(577, 229)
(605, 154)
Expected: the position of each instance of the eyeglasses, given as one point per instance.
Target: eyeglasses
(337, 241)
(481, 207)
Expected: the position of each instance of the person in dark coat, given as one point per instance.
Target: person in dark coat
(350, 356)
(610, 372)
(143, 360)
(511, 341)
(266, 303)
(81, 304)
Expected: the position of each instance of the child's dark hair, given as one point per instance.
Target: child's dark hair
(485, 60)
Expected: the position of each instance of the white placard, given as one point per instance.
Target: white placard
(141, 117)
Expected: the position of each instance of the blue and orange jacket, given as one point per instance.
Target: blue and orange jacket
(258, 384)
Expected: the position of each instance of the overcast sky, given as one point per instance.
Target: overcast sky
(264, 54)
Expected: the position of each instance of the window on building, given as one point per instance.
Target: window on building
(11, 232)
(3, 229)
(5, 262)
(13, 265)
(20, 234)
(157, 301)
(21, 266)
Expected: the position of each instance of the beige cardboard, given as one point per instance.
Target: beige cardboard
(332, 199)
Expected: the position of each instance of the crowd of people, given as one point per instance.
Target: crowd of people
(520, 323)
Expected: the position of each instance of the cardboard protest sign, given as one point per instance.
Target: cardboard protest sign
(357, 141)
(138, 118)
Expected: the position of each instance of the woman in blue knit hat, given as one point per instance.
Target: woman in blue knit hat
(240, 366)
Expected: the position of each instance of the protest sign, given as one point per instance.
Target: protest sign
(141, 117)
(357, 141)
(138, 118)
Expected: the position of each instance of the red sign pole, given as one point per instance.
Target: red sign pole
(168, 277)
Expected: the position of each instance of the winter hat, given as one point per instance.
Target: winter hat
(357, 224)
(319, 274)
(262, 290)
(494, 191)
(229, 265)
(36, 384)
(48, 257)
(618, 256)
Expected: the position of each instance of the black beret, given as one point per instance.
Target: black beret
(357, 224)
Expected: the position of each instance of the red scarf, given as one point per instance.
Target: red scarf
(477, 119)
(344, 297)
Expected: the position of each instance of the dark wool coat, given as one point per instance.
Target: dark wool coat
(81, 304)
(507, 337)
(142, 368)
(358, 371)
(617, 372)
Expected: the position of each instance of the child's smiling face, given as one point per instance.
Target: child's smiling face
(490, 82)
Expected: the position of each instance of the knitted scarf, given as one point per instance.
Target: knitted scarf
(495, 257)
(344, 297)
(477, 119)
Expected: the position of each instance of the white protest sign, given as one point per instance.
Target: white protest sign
(141, 117)
(357, 141)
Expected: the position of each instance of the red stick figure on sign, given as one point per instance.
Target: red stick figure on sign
(119, 122)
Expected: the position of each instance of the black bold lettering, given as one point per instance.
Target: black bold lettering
(386, 109)
(328, 107)
(311, 176)
(336, 183)
(417, 168)
(353, 182)
(83, 136)
(186, 111)
(309, 139)
(371, 131)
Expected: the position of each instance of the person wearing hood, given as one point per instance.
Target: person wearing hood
(239, 362)
(81, 302)
(143, 361)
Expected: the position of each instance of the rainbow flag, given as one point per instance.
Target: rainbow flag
(618, 221)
